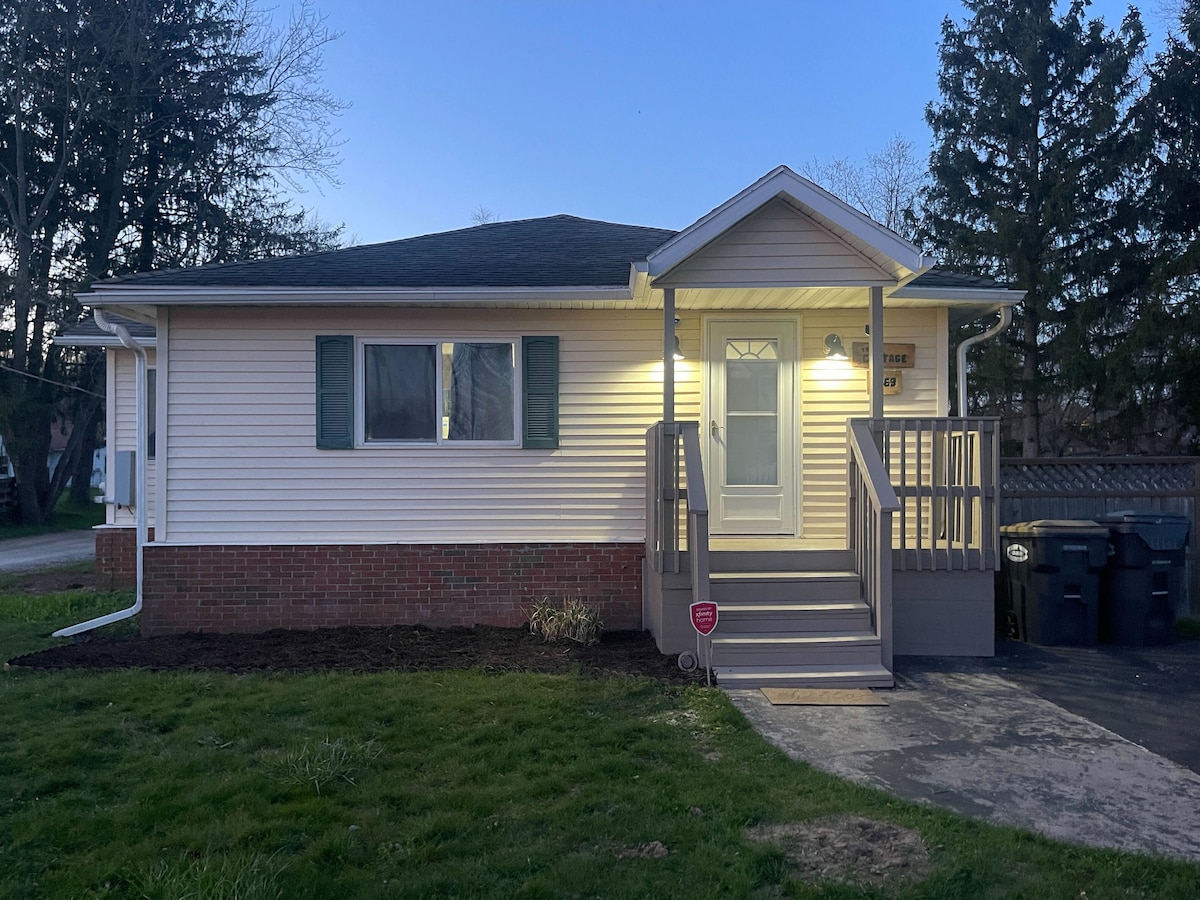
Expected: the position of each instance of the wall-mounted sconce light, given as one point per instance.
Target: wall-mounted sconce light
(678, 350)
(834, 348)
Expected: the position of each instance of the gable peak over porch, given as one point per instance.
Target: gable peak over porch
(785, 231)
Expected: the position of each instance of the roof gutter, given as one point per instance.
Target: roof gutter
(139, 351)
(114, 296)
(1005, 321)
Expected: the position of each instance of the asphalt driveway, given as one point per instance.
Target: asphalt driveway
(1088, 746)
(27, 554)
(1148, 695)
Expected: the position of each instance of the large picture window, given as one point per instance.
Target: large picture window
(440, 392)
(371, 391)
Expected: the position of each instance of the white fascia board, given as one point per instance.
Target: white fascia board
(108, 341)
(782, 181)
(637, 270)
(1000, 296)
(133, 313)
(115, 296)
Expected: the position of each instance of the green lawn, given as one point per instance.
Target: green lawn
(453, 784)
(67, 517)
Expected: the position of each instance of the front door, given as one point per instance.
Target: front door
(750, 421)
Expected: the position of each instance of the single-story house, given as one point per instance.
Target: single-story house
(441, 429)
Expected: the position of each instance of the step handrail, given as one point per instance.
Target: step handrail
(872, 503)
(697, 502)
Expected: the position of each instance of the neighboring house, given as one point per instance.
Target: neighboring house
(442, 429)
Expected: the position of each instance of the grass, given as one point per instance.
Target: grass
(451, 784)
(1187, 628)
(67, 517)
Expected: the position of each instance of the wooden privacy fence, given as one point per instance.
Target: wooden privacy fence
(1090, 487)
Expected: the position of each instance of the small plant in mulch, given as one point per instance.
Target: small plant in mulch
(572, 619)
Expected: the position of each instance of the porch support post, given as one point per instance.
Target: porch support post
(876, 361)
(668, 354)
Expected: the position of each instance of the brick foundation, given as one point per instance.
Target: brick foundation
(251, 588)
(116, 558)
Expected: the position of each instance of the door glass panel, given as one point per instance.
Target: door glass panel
(752, 450)
(752, 411)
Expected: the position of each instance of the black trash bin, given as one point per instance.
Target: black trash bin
(1143, 585)
(1051, 572)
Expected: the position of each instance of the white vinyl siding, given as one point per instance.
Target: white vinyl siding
(123, 432)
(775, 246)
(243, 466)
(832, 392)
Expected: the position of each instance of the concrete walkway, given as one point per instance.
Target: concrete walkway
(980, 744)
(27, 554)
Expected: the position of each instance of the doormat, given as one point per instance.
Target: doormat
(822, 697)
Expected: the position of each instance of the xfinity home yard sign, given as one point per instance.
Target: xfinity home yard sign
(704, 617)
(704, 620)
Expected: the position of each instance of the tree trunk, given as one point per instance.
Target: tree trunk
(1030, 413)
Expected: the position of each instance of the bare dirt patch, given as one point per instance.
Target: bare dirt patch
(849, 848)
(51, 581)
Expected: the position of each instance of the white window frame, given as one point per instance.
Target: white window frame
(360, 392)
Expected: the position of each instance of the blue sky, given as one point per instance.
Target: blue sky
(649, 113)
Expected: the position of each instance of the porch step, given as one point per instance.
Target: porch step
(784, 586)
(793, 618)
(751, 617)
(853, 650)
(814, 676)
(781, 560)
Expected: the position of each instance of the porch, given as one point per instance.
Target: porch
(913, 573)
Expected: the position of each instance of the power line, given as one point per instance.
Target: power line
(71, 387)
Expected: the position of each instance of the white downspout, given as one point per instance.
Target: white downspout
(1005, 321)
(142, 529)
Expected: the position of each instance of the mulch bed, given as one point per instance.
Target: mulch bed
(397, 648)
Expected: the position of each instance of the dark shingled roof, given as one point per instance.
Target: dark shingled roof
(941, 278)
(556, 251)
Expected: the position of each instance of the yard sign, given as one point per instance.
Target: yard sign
(704, 620)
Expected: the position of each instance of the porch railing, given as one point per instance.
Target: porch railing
(945, 473)
(676, 502)
(872, 505)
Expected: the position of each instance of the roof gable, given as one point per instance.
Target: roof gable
(894, 258)
(776, 246)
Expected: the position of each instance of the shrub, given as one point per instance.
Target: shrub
(572, 619)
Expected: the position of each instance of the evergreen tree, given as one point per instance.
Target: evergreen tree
(1033, 142)
(1170, 112)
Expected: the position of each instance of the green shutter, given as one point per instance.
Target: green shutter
(335, 391)
(539, 385)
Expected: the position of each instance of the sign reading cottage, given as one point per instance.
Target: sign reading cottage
(441, 429)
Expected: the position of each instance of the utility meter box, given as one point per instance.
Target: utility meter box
(124, 478)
